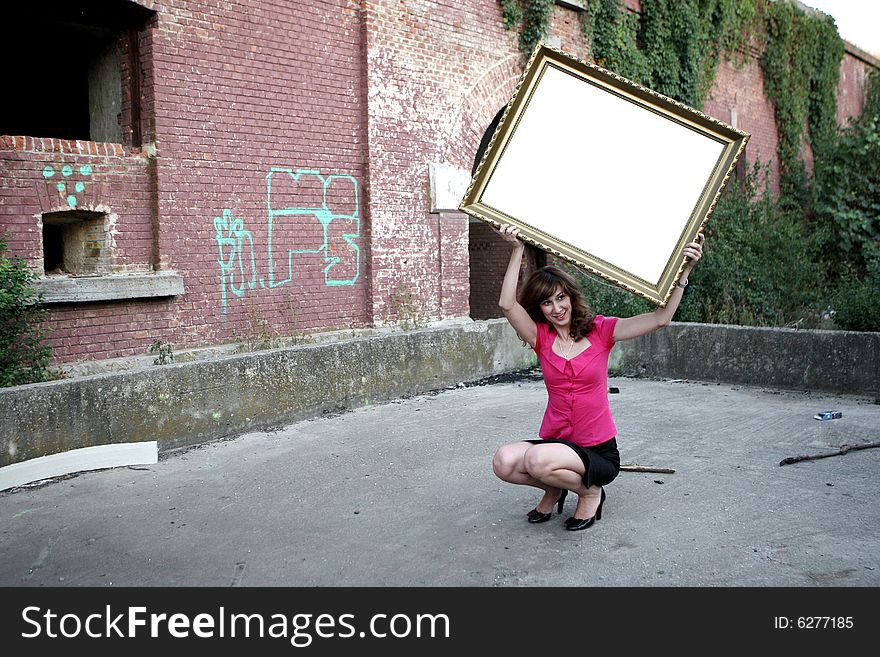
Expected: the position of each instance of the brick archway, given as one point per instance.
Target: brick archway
(489, 94)
(487, 254)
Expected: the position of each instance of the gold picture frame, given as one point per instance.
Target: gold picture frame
(603, 172)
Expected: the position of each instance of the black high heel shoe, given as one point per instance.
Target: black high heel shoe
(535, 516)
(576, 524)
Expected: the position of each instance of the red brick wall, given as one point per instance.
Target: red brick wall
(233, 100)
(489, 256)
(117, 183)
(738, 90)
(259, 120)
(438, 73)
(454, 274)
(423, 58)
(852, 88)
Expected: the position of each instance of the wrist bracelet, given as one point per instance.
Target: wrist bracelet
(682, 284)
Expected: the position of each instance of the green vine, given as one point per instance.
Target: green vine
(511, 13)
(671, 33)
(673, 47)
(613, 33)
(847, 198)
(801, 65)
(536, 18)
(533, 15)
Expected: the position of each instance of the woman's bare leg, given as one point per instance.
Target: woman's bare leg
(508, 464)
(558, 466)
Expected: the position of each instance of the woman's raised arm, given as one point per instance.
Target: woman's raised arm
(634, 327)
(517, 316)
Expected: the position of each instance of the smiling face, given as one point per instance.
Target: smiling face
(551, 296)
(557, 308)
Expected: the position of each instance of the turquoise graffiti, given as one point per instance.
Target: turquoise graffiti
(313, 223)
(68, 188)
(300, 199)
(234, 266)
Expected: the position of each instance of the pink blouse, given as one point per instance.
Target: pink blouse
(577, 389)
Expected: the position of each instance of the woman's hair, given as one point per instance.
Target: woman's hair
(542, 284)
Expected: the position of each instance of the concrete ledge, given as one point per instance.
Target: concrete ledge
(79, 289)
(190, 403)
(844, 362)
(193, 402)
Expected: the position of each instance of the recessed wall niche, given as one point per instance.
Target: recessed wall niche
(76, 242)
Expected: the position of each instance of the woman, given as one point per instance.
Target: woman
(578, 449)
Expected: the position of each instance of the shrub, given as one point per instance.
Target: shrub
(761, 266)
(857, 304)
(24, 357)
(848, 213)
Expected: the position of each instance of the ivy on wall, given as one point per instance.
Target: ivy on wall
(801, 64)
(674, 47)
(532, 15)
(613, 33)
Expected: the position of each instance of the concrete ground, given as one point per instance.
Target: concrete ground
(402, 494)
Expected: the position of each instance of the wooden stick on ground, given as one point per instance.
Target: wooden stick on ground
(633, 467)
(812, 457)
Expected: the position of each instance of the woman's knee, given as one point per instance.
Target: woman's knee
(537, 463)
(506, 461)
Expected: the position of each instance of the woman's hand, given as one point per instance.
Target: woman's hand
(693, 251)
(510, 234)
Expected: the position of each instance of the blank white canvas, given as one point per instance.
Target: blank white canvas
(627, 206)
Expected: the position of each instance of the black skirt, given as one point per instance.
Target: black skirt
(601, 462)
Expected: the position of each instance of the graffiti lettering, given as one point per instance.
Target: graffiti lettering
(300, 199)
(308, 215)
(230, 237)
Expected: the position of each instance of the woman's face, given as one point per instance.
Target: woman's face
(557, 308)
